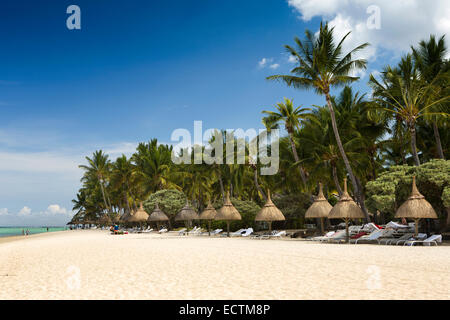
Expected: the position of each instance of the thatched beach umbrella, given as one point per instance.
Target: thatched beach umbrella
(140, 216)
(416, 207)
(228, 213)
(269, 213)
(124, 218)
(105, 220)
(187, 214)
(157, 216)
(208, 214)
(346, 209)
(320, 209)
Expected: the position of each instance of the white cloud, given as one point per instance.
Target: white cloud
(292, 59)
(403, 22)
(25, 211)
(4, 211)
(264, 62)
(56, 209)
(274, 66)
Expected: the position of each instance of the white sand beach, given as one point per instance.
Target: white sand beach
(96, 265)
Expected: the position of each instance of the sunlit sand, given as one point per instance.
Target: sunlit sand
(97, 265)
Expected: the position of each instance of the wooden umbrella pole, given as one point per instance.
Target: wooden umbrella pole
(270, 226)
(321, 226)
(228, 228)
(416, 222)
(346, 231)
(209, 228)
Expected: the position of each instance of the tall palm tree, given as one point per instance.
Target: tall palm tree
(430, 60)
(121, 178)
(404, 93)
(98, 169)
(292, 118)
(322, 64)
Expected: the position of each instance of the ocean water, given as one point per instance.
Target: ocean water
(17, 231)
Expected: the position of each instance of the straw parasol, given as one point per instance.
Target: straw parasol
(208, 214)
(139, 216)
(416, 207)
(228, 213)
(269, 213)
(124, 218)
(157, 216)
(346, 209)
(105, 220)
(187, 214)
(319, 209)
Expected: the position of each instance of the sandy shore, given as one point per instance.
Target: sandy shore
(97, 265)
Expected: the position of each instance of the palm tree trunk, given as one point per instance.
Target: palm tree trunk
(104, 197)
(297, 159)
(344, 157)
(336, 180)
(437, 136)
(412, 130)
(221, 186)
(258, 187)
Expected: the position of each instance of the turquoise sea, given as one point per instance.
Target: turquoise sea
(17, 231)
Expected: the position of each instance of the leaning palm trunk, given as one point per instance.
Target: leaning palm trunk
(258, 187)
(412, 130)
(336, 180)
(297, 159)
(344, 157)
(104, 197)
(437, 136)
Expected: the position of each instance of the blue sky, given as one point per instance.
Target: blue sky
(139, 70)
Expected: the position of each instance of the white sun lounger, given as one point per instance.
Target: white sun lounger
(237, 233)
(247, 232)
(182, 232)
(388, 241)
(420, 236)
(337, 236)
(434, 239)
(164, 230)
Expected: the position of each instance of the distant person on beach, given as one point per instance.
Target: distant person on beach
(47, 229)
(28, 232)
(23, 232)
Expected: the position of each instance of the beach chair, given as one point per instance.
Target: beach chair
(237, 233)
(278, 234)
(434, 239)
(163, 230)
(420, 236)
(374, 236)
(216, 232)
(325, 237)
(393, 240)
(338, 236)
(247, 232)
(182, 232)
(148, 230)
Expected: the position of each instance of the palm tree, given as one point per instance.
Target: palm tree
(292, 118)
(321, 66)
(430, 60)
(121, 178)
(404, 93)
(98, 169)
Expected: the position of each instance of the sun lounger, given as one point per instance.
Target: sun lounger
(375, 236)
(247, 232)
(420, 236)
(338, 236)
(325, 237)
(393, 240)
(434, 239)
(237, 233)
(164, 230)
(182, 232)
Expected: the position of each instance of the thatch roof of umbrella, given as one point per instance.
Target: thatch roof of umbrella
(105, 220)
(416, 207)
(228, 212)
(186, 213)
(320, 208)
(124, 217)
(209, 213)
(157, 215)
(269, 212)
(139, 216)
(346, 208)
